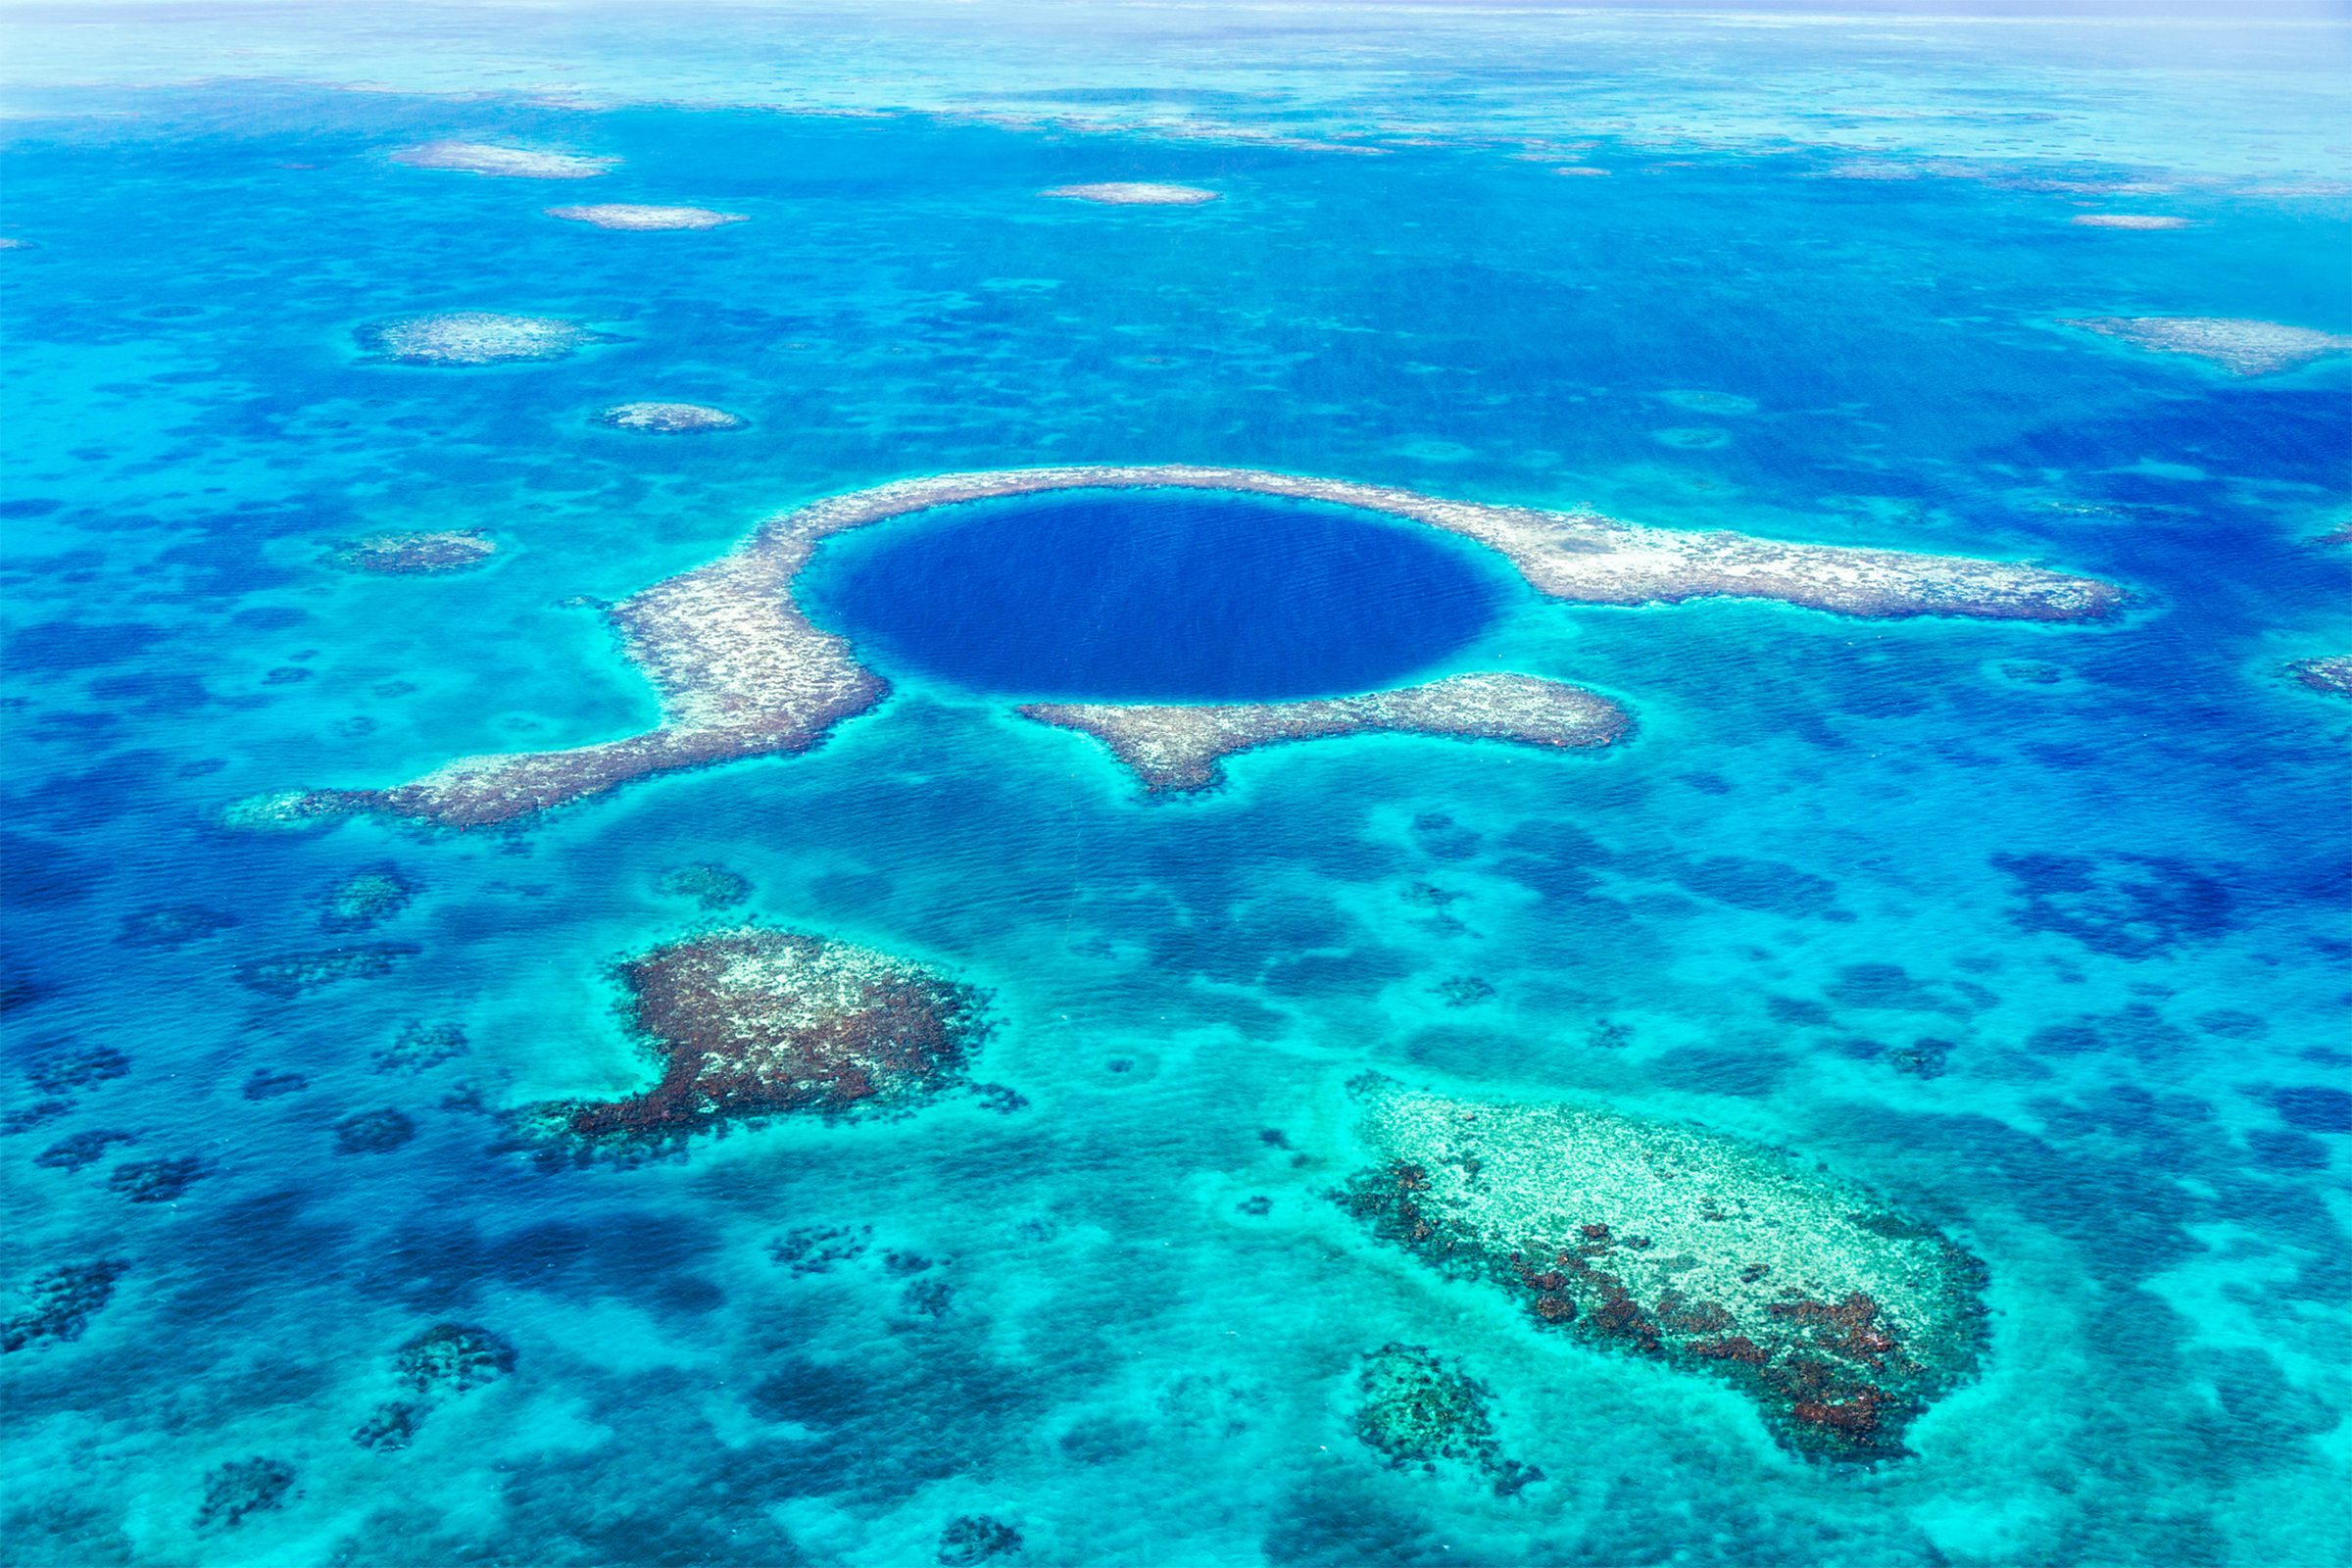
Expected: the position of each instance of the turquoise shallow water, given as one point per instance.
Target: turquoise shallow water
(2040, 931)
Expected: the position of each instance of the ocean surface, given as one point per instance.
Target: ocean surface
(2041, 932)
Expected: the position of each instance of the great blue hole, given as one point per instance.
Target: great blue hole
(1163, 595)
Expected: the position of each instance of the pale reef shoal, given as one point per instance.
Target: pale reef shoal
(742, 673)
(668, 418)
(460, 339)
(502, 163)
(1176, 748)
(1134, 193)
(636, 218)
(1839, 1317)
(2244, 348)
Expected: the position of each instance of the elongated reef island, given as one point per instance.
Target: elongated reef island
(743, 673)
(1175, 747)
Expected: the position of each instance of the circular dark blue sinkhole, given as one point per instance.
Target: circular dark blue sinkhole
(1154, 593)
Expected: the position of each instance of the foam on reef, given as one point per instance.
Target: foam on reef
(2242, 348)
(504, 162)
(748, 1022)
(462, 338)
(632, 218)
(743, 673)
(1179, 747)
(1840, 1318)
(668, 418)
(1134, 193)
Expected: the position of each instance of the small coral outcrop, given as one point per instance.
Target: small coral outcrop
(752, 1022)
(668, 418)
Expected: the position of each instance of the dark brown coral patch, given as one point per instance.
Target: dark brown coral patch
(750, 1022)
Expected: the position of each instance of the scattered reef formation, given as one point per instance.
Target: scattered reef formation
(366, 899)
(504, 162)
(1840, 1318)
(668, 418)
(156, 1181)
(1174, 747)
(632, 218)
(742, 673)
(1134, 193)
(415, 554)
(444, 1363)
(2331, 674)
(1416, 1409)
(459, 340)
(2242, 348)
(290, 976)
(61, 1304)
(750, 1022)
(172, 925)
(975, 1538)
(420, 1047)
(373, 1132)
(2149, 221)
(713, 887)
(242, 1487)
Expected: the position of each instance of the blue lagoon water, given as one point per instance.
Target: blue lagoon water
(1155, 593)
(2039, 931)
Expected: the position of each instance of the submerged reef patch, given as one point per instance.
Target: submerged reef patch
(742, 673)
(172, 926)
(2331, 674)
(1416, 1409)
(975, 1538)
(2242, 348)
(445, 1362)
(710, 885)
(632, 218)
(504, 162)
(417, 552)
(63, 1302)
(1839, 1319)
(1134, 193)
(750, 1022)
(668, 418)
(1179, 747)
(459, 340)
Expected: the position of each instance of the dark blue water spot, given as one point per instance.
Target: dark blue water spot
(1155, 593)
(2315, 1109)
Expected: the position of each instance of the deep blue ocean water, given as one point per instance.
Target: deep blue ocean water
(2098, 873)
(1157, 595)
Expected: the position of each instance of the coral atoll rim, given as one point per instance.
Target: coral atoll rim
(743, 673)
